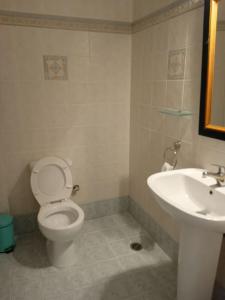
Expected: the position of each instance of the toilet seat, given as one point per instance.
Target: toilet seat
(51, 180)
(56, 228)
(47, 213)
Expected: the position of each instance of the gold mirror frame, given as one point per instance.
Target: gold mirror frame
(208, 64)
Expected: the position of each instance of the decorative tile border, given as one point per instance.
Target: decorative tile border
(82, 24)
(171, 11)
(66, 23)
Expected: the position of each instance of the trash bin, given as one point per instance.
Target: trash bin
(7, 239)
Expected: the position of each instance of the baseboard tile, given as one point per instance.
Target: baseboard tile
(28, 223)
(155, 230)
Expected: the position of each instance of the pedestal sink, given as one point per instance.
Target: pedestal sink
(200, 209)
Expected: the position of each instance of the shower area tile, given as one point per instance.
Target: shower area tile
(105, 266)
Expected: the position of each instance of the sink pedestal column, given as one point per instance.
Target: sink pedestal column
(197, 265)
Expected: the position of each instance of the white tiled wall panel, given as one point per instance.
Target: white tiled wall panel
(85, 118)
(154, 88)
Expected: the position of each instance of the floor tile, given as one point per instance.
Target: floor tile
(113, 234)
(105, 267)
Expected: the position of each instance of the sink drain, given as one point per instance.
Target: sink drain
(136, 246)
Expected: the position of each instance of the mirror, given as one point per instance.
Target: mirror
(212, 109)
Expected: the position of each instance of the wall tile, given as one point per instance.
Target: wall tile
(71, 42)
(174, 93)
(158, 90)
(175, 83)
(176, 64)
(106, 44)
(191, 95)
(55, 67)
(85, 118)
(177, 37)
(97, 9)
(160, 37)
(159, 67)
(193, 62)
(195, 26)
(9, 68)
(78, 69)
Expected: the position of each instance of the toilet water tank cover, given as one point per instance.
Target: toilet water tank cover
(51, 180)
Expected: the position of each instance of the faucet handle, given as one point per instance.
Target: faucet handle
(221, 168)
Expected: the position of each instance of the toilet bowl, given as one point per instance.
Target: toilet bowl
(59, 218)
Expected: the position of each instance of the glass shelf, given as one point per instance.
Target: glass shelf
(175, 112)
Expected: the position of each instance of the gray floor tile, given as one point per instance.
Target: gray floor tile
(93, 293)
(105, 270)
(89, 255)
(99, 224)
(91, 240)
(128, 225)
(121, 247)
(154, 256)
(125, 219)
(131, 262)
(113, 234)
(105, 266)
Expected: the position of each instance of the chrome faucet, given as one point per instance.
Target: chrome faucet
(219, 175)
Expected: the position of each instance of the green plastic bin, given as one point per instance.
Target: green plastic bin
(7, 239)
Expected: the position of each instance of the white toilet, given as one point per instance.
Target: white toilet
(59, 218)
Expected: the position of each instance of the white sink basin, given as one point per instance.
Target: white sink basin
(188, 197)
(200, 209)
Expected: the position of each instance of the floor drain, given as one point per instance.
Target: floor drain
(136, 246)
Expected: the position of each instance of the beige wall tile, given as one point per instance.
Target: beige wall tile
(160, 35)
(183, 32)
(74, 43)
(177, 36)
(146, 153)
(158, 89)
(191, 95)
(80, 118)
(97, 9)
(193, 62)
(174, 95)
(195, 26)
(159, 66)
(142, 8)
(109, 44)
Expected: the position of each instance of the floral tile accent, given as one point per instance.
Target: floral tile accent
(55, 67)
(176, 64)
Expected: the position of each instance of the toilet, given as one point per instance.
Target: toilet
(59, 218)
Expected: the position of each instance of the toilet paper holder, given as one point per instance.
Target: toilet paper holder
(170, 154)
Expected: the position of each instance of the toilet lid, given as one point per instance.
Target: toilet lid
(51, 180)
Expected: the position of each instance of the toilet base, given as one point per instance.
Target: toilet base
(61, 255)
